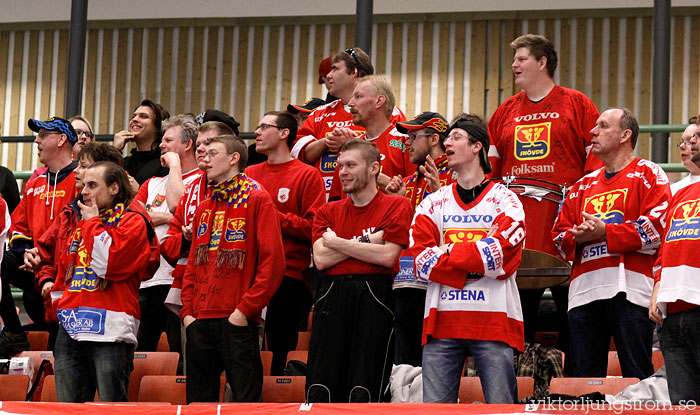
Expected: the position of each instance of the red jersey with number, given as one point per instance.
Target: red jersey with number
(297, 192)
(631, 204)
(548, 140)
(678, 270)
(392, 214)
(395, 159)
(320, 123)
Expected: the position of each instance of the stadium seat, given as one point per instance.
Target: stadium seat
(48, 391)
(163, 345)
(150, 363)
(303, 341)
(547, 338)
(38, 340)
(266, 357)
(582, 386)
(284, 389)
(171, 389)
(614, 368)
(13, 387)
(470, 389)
(301, 355)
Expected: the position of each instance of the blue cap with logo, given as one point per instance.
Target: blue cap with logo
(57, 124)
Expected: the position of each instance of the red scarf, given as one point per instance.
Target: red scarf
(228, 234)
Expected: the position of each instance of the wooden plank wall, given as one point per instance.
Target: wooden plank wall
(441, 63)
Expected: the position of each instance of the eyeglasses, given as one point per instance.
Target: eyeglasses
(263, 126)
(412, 137)
(684, 143)
(44, 134)
(353, 55)
(87, 134)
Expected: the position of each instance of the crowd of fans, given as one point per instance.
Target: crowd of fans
(404, 235)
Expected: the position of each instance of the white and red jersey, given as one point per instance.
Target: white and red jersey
(472, 293)
(320, 123)
(120, 256)
(679, 274)
(548, 140)
(152, 195)
(395, 159)
(416, 192)
(631, 203)
(297, 191)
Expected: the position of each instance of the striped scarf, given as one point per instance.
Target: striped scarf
(224, 230)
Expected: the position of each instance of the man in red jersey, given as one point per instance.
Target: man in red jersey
(425, 136)
(235, 265)
(43, 200)
(610, 226)
(371, 107)
(297, 190)
(319, 138)
(543, 133)
(357, 242)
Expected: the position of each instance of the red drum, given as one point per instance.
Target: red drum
(541, 265)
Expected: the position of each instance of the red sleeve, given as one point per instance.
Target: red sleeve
(109, 246)
(398, 223)
(188, 277)
(321, 222)
(46, 244)
(336, 190)
(493, 145)
(569, 215)
(20, 223)
(645, 231)
(313, 197)
(308, 129)
(142, 195)
(270, 260)
(172, 244)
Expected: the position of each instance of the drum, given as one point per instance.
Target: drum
(541, 265)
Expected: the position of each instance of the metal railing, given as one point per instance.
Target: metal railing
(643, 129)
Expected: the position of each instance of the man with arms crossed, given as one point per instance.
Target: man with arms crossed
(357, 242)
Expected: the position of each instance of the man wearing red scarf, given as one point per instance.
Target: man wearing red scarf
(235, 265)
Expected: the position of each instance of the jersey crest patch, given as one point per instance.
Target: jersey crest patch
(532, 142)
(685, 222)
(608, 206)
(283, 195)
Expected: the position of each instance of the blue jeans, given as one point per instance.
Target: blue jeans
(443, 361)
(82, 366)
(590, 328)
(680, 344)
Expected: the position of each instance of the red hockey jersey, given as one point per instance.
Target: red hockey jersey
(395, 159)
(42, 201)
(631, 203)
(679, 273)
(85, 311)
(320, 123)
(548, 140)
(472, 293)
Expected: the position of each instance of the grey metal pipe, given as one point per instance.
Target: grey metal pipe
(661, 77)
(76, 57)
(363, 24)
